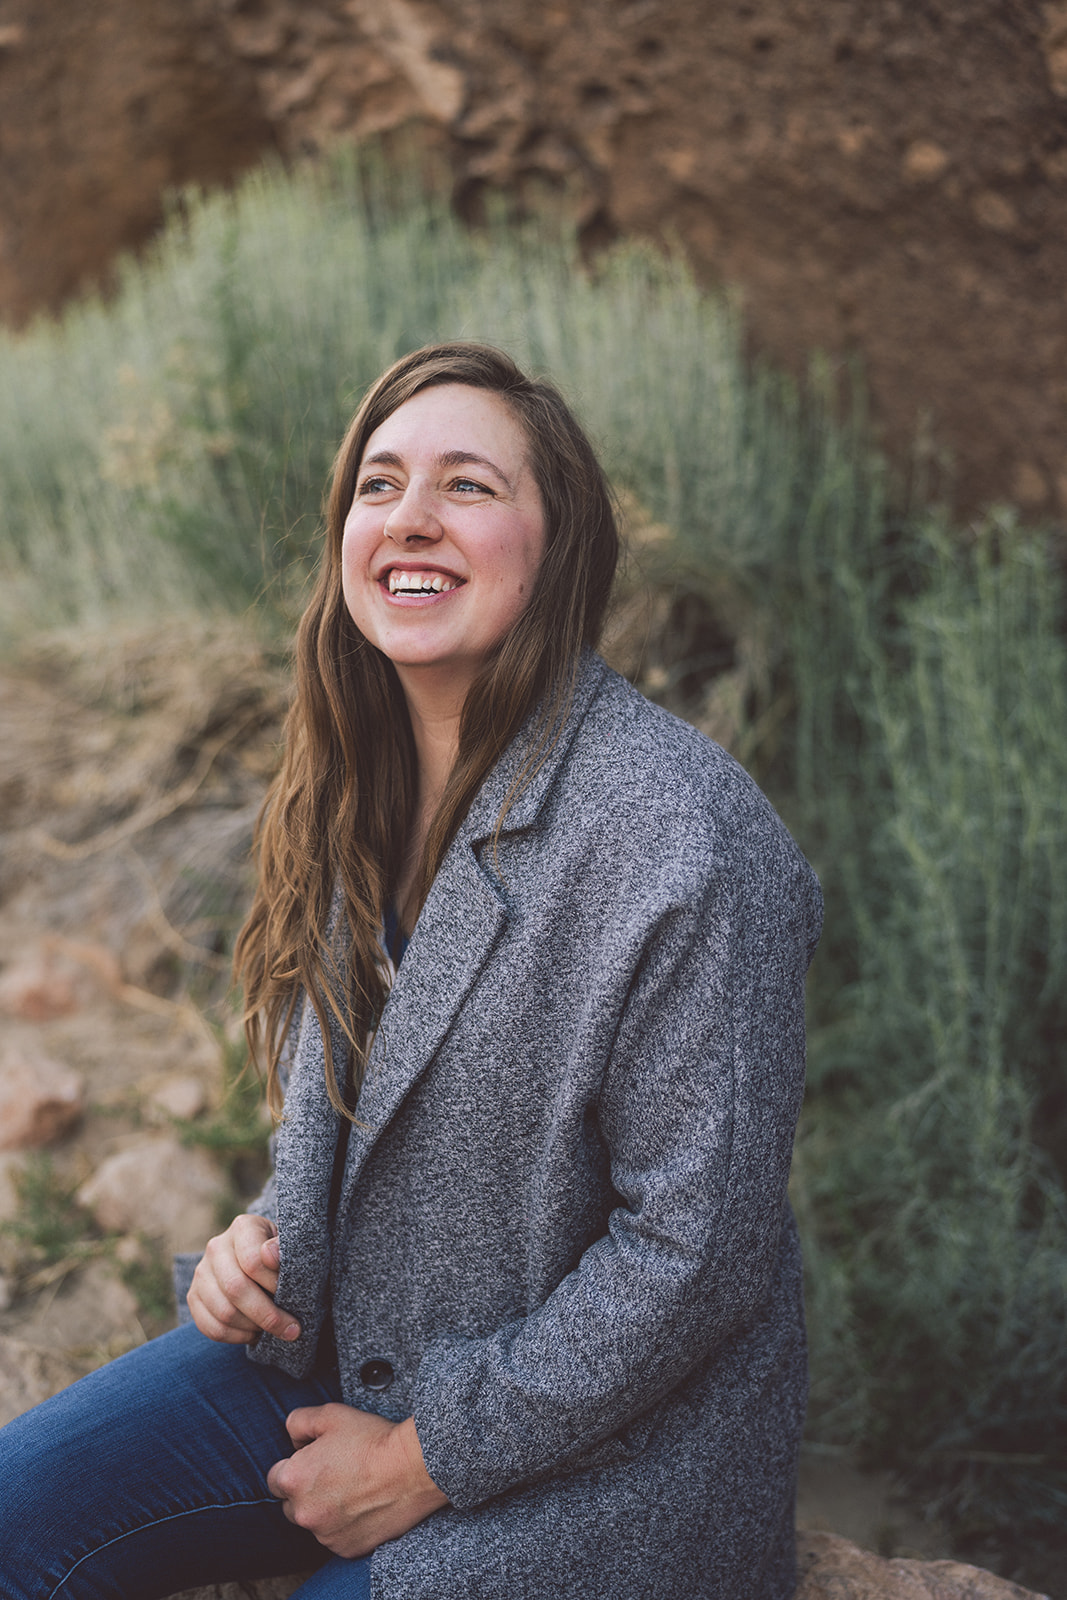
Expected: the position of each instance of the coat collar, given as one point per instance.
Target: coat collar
(480, 821)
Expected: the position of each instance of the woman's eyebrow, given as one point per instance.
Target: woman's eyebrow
(450, 458)
(464, 458)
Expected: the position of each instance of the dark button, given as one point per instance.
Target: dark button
(376, 1374)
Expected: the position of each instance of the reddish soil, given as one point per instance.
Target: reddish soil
(889, 181)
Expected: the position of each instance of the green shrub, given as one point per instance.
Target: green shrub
(170, 448)
(937, 1225)
(905, 698)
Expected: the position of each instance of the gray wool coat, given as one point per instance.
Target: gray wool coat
(563, 1225)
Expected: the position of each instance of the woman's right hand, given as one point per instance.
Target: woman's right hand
(231, 1297)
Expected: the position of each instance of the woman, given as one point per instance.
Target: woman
(523, 1295)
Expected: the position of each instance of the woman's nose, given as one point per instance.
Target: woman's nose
(414, 517)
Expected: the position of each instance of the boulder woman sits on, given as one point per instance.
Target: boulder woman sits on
(525, 972)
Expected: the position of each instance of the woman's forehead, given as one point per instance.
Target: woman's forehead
(452, 421)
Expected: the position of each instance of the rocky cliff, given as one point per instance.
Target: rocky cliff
(889, 181)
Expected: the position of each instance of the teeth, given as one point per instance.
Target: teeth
(419, 583)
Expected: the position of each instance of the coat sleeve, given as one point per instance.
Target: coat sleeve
(697, 1110)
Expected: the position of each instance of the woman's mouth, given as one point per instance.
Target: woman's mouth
(420, 583)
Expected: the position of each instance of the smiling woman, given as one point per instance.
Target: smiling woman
(525, 970)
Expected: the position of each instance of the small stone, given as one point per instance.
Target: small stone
(995, 212)
(924, 161)
(130, 1252)
(680, 162)
(37, 988)
(159, 1188)
(179, 1096)
(852, 141)
(40, 1100)
(57, 976)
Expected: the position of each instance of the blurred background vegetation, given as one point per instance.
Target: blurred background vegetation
(897, 684)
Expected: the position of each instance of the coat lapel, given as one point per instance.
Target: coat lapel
(459, 924)
(464, 914)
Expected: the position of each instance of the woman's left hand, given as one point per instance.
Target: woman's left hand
(354, 1479)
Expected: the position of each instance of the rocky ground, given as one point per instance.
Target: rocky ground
(133, 770)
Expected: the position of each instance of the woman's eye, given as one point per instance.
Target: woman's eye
(373, 486)
(468, 486)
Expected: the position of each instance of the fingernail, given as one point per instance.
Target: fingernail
(291, 1331)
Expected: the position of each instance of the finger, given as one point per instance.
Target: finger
(305, 1424)
(233, 1297)
(212, 1328)
(277, 1481)
(216, 1317)
(251, 1237)
(205, 1315)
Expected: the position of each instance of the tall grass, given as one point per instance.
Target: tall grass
(936, 775)
(168, 450)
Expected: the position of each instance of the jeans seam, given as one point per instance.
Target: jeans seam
(174, 1516)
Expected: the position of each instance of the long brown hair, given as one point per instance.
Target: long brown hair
(339, 814)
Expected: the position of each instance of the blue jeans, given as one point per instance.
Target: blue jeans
(149, 1476)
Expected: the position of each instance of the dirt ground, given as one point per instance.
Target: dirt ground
(888, 182)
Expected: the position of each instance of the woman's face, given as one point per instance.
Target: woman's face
(445, 534)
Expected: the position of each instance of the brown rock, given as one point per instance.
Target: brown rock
(160, 1188)
(179, 1095)
(38, 988)
(90, 1314)
(40, 1100)
(995, 212)
(56, 977)
(830, 1568)
(105, 107)
(29, 1374)
(925, 161)
(180, 106)
(413, 48)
